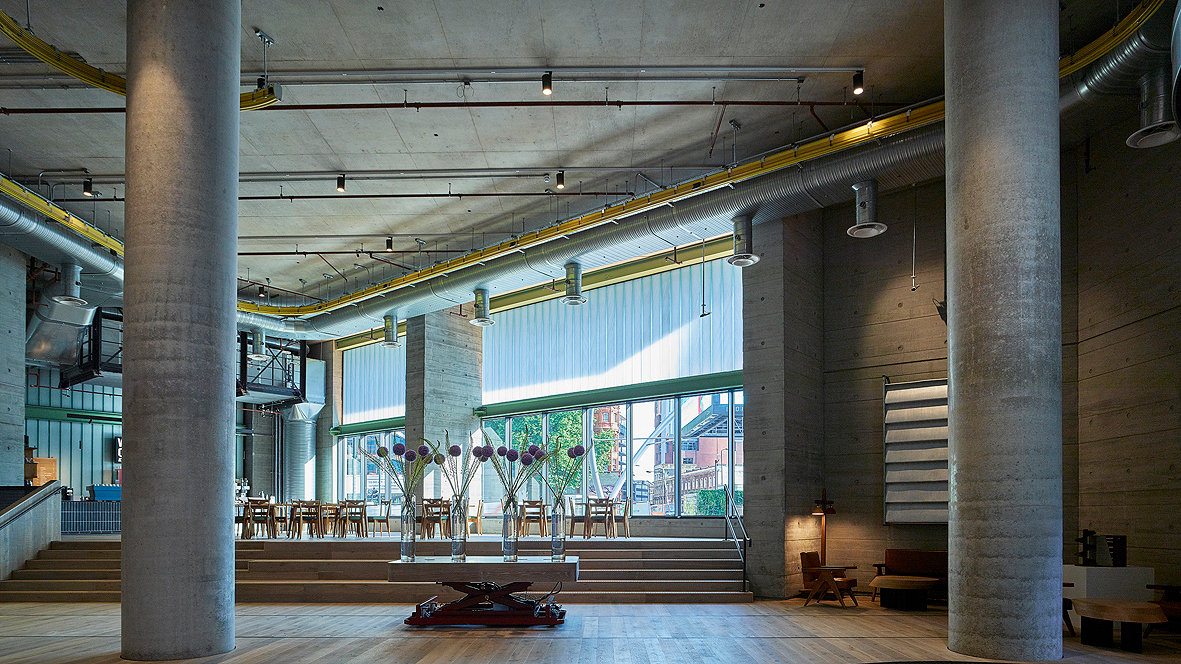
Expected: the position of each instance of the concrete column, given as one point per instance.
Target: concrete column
(12, 367)
(182, 220)
(444, 373)
(1004, 329)
(782, 356)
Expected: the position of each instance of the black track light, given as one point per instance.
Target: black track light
(561, 179)
(262, 292)
(858, 82)
(547, 83)
(340, 182)
(389, 243)
(88, 187)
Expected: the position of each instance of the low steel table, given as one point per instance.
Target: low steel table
(488, 584)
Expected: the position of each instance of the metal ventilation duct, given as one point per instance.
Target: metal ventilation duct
(54, 333)
(481, 317)
(258, 349)
(573, 296)
(744, 246)
(389, 332)
(299, 450)
(1157, 125)
(867, 211)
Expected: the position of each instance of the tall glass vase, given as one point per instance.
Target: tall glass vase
(407, 526)
(459, 529)
(512, 524)
(557, 519)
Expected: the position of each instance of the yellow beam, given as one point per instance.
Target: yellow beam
(47, 53)
(35, 202)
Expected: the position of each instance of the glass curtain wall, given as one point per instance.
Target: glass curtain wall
(671, 457)
(359, 478)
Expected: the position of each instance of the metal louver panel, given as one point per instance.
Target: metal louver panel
(916, 451)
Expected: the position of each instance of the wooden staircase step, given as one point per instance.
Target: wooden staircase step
(60, 584)
(73, 563)
(672, 597)
(86, 545)
(660, 574)
(59, 596)
(657, 563)
(33, 574)
(67, 554)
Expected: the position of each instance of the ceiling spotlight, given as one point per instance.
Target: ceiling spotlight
(389, 243)
(262, 292)
(88, 187)
(340, 182)
(547, 83)
(858, 82)
(561, 179)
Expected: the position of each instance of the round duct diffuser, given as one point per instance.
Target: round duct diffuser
(744, 253)
(870, 229)
(1154, 135)
(481, 317)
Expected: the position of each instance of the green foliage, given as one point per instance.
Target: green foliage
(707, 502)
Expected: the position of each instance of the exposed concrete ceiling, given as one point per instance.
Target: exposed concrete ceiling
(898, 42)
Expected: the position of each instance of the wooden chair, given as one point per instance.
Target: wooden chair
(599, 510)
(627, 515)
(436, 512)
(352, 516)
(306, 513)
(573, 518)
(259, 518)
(281, 515)
(330, 519)
(810, 564)
(477, 517)
(533, 511)
(385, 507)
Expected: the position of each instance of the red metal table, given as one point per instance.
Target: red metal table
(489, 586)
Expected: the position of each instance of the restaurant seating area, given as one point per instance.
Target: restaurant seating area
(262, 518)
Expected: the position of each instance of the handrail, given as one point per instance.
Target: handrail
(742, 543)
(28, 502)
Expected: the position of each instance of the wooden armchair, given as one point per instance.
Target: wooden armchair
(815, 575)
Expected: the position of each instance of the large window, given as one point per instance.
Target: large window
(672, 457)
(359, 478)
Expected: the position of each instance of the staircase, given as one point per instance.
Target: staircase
(639, 571)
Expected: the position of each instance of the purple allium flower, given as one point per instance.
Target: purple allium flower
(570, 452)
(533, 449)
(501, 451)
(488, 451)
(399, 449)
(410, 455)
(484, 457)
(455, 450)
(439, 458)
(579, 450)
(383, 452)
(540, 455)
(512, 455)
(526, 459)
(478, 452)
(423, 450)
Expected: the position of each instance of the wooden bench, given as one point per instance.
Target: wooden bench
(915, 563)
(1098, 615)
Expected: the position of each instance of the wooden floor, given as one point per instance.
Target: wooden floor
(762, 632)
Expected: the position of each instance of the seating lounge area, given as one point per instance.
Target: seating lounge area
(639, 332)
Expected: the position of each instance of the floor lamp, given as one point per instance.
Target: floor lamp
(822, 509)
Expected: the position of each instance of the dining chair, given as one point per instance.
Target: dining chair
(533, 511)
(259, 520)
(383, 518)
(599, 510)
(571, 517)
(477, 517)
(627, 515)
(331, 519)
(432, 515)
(306, 513)
(352, 516)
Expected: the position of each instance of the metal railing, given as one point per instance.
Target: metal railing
(733, 517)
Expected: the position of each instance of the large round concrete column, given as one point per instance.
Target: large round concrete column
(182, 220)
(1004, 329)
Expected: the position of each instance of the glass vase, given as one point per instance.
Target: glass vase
(407, 526)
(512, 524)
(459, 529)
(557, 520)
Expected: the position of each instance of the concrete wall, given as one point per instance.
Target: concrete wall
(782, 375)
(29, 526)
(1129, 346)
(12, 367)
(875, 326)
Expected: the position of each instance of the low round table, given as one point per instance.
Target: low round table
(1099, 614)
(904, 592)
